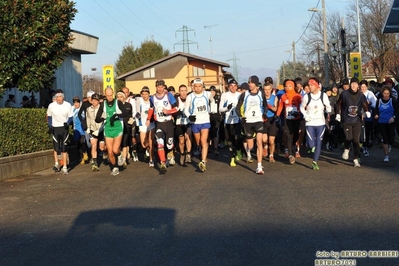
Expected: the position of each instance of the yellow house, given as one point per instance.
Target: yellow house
(177, 69)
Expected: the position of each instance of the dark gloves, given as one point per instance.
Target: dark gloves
(295, 114)
(112, 119)
(277, 119)
(66, 126)
(229, 106)
(243, 120)
(192, 118)
(84, 126)
(138, 115)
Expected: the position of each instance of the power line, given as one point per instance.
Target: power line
(99, 21)
(116, 21)
(311, 18)
(164, 22)
(148, 27)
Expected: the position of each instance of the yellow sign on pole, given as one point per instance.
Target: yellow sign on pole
(356, 65)
(108, 77)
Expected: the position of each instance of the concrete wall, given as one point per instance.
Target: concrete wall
(25, 164)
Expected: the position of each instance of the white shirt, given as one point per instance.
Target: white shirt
(198, 105)
(59, 113)
(231, 115)
(314, 111)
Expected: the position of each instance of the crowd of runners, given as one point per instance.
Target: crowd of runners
(253, 120)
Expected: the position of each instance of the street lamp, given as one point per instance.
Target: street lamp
(343, 50)
(313, 70)
(326, 77)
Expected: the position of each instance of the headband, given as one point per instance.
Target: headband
(313, 82)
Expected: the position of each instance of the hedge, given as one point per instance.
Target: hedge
(23, 130)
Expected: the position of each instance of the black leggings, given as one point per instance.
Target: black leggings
(352, 135)
(387, 133)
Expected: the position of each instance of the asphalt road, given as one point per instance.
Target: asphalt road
(225, 216)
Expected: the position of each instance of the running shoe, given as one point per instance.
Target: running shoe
(182, 158)
(366, 152)
(233, 162)
(202, 166)
(162, 168)
(386, 158)
(356, 163)
(115, 171)
(345, 154)
(286, 154)
(188, 158)
(389, 148)
(150, 164)
(94, 167)
(85, 156)
(249, 159)
(238, 155)
(259, 170)
(135, 156)
(147, 153)
(65, 170)
(271, 159)
(171, 161)
(82, 161)
(57, 167)
(315, 166)
(291, 159)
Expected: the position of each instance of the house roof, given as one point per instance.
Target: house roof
(392, 22)
(189, 57)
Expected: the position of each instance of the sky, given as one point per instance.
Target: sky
(257, 33)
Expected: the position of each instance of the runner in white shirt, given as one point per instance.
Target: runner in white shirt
(252, 107)
(146, 132)
(232, 121)
(197, 110)
(59, 117)
(183, 130)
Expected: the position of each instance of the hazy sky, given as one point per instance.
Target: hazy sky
(259, 32)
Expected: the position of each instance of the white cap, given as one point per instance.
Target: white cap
(90, 93)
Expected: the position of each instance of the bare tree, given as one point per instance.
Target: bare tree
(378, 49)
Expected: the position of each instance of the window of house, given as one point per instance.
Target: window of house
(149, 73)
(198, 71)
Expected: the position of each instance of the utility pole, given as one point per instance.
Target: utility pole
(294, 58)
(210, 35)
(235, 68)
(185, 42)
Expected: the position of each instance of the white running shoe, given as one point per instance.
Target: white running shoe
(386, 158)
(366, 152)
(151, 164)
(259, 170)
(389, 148)
(345, 155)
(115, 171)
(356, 163)
(65, 170)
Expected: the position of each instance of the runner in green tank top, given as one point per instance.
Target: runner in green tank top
(111, 110)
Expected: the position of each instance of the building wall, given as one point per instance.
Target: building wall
(68, 77)
(175, 72)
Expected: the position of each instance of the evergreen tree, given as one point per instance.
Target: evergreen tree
(35, 38)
